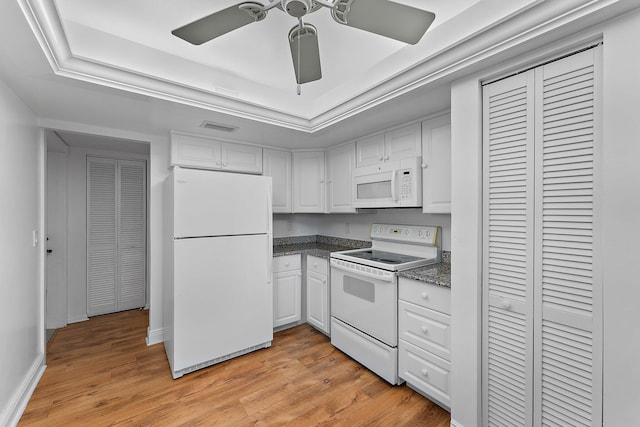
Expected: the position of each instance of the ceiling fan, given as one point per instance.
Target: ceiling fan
(383, 17)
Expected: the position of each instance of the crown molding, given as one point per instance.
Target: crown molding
(521, 30)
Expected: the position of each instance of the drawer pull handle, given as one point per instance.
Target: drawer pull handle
(424, 329)
(425, 295)
(424, 373)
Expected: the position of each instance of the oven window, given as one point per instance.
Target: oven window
(359, 288)
(374, 190)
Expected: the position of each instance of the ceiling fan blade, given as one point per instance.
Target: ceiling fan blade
(303, 41)
(220, 23)
(383, 17)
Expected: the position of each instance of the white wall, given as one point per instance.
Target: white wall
(357, 226)
(77, 227)
(21, 323)
(158, 171)
(620, 204)
(621, 214)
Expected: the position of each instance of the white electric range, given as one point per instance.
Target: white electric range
(364, 293)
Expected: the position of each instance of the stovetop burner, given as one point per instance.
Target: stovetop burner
(384, 257)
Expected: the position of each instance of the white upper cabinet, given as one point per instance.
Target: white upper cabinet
(308, 182)
(340, 164)
(436, 165)
(396, 144)
(277, 165)
(205, 153)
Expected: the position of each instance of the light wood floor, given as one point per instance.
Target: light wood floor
(101, 373)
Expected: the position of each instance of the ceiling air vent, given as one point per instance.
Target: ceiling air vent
(218, 127)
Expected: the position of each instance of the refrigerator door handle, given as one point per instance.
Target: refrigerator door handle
(269, 261)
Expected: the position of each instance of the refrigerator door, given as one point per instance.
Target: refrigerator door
(208, 203)
(222, 297)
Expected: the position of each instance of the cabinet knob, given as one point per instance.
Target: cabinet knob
(505, 304)
(218, 163)
(424, 166)
(225, 164)
(286, 264)
(386, 158)
(424, 373)
(324, 281)
(380, 158)
(424, 329)
(424, 295)
(330, 180)
(315, 265)
(321, 181)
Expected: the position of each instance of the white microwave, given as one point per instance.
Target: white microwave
(388, 185)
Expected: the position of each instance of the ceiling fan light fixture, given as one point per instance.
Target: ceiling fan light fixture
(297, 8)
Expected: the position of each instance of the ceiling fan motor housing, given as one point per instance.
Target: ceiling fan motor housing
(297, 8)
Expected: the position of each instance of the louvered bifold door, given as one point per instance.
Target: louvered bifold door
(567, 314)
(131, 235)
(101, 236)
(508, 162)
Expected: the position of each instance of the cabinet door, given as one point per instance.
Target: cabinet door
(308, 182)
(196, 152)
(277, 165)
(318, 301)
(286, 298)
(241, 158)
(403, 143)
(370, 151)
(436, 164)
(340, 165)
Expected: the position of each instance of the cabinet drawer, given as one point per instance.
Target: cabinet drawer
(286, 263)
(425, 294)
(425, 372)
(317, 265)
(428, 329)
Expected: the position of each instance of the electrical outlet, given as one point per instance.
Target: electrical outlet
(347, 228)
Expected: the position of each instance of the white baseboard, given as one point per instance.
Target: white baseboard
(155, 336)
(455, 424)
(19, 402)
(77, 319)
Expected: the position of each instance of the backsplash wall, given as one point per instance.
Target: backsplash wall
(357, 226)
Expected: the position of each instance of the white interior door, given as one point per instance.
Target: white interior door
(116, 235)
(56, 294)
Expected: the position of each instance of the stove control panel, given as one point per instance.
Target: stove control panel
(418, 234)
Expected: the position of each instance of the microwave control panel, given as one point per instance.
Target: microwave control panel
(405, 185)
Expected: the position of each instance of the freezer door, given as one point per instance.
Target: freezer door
(223, 301)
(208, 203)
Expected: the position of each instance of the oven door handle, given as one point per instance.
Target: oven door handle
(385, 278)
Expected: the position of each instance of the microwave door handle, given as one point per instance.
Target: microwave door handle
(394, 195)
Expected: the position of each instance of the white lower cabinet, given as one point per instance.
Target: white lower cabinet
(424, 319)
(287, 288)
(318, 293)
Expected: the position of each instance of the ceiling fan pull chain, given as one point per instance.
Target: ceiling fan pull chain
(299, 89)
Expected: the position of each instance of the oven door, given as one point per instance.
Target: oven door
(366, 302)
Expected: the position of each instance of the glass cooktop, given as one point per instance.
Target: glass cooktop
(384, 257)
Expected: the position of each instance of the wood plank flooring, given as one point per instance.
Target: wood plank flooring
(101, 373)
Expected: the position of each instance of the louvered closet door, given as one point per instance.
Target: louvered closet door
(116, 235)
(508, 240)
(132, 235)
(567, 375)
(102, 249)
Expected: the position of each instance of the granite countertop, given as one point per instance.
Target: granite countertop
(318, 249)
(320, 246)
(437, 274)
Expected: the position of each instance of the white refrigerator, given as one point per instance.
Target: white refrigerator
(217, 270)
